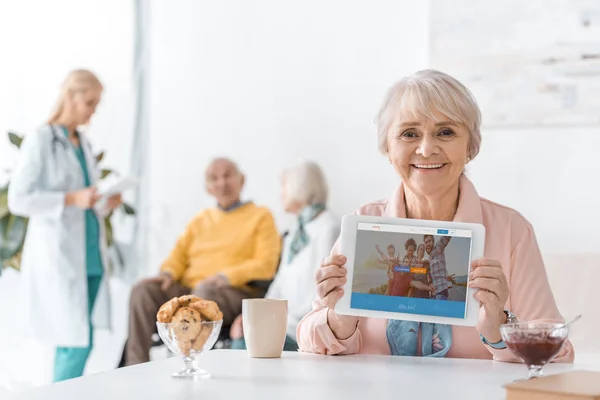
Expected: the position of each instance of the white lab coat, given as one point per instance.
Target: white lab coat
(53, 265)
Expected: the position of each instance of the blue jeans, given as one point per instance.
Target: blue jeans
(402, 337)
(289, 345)
(69, 362)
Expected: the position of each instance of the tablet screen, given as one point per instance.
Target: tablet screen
(411, 269)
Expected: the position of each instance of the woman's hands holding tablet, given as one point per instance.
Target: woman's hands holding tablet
(487, 276)
(329, 279)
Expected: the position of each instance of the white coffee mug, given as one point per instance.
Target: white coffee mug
(265, 323)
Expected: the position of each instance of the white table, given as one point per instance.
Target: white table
(299, 376)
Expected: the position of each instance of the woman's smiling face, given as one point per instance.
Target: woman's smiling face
(429, 155)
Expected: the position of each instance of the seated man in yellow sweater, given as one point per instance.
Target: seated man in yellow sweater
(221, 250)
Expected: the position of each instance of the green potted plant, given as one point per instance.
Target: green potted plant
(14, 228)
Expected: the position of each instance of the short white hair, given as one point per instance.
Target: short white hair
(305, 183)
(424, 92)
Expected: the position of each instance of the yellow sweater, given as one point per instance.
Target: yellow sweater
(243, 244)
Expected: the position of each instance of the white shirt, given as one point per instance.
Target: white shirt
(295, 282)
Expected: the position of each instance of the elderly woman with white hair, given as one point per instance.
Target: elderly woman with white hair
(429, 129)
(304, 194)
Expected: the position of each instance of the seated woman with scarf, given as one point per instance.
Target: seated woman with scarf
(304, 194)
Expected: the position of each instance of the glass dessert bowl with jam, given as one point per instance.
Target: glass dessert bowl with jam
(536, 344)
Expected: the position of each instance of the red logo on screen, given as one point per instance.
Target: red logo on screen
(376, 227)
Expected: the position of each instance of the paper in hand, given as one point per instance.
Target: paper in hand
(115, 186)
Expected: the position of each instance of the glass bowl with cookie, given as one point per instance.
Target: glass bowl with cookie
(189, 326)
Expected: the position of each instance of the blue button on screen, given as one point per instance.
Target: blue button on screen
(442, 231)
(401, 268)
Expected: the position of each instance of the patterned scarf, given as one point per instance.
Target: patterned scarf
(300, 239)
(402, 336)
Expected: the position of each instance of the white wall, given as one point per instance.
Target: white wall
(548, 175)
(268, 82)
(40, 42)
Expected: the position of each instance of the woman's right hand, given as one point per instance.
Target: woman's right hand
(84, 198)
(329, 279)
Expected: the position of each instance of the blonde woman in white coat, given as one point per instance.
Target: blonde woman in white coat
(303, 194)
(63, 263)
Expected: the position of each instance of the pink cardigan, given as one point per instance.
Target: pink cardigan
(509, 239)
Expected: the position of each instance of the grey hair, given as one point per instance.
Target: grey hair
(419, 95)
(306, 183)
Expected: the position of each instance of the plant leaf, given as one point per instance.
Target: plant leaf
(14, 262)
(4, 201)
(129, 210)
(109, 231)
(9, 225)
(118, 253)
(99, 157)
(105, 173)
(15, 139)
(13, 231)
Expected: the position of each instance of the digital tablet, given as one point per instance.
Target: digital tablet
(410, 269)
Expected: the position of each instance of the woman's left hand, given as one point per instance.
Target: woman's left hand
(487, 276)
(114, 201)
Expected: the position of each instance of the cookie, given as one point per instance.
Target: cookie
(184, 301)
(200, 341)
(167, 310)
(209, 309)
(186, 324)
